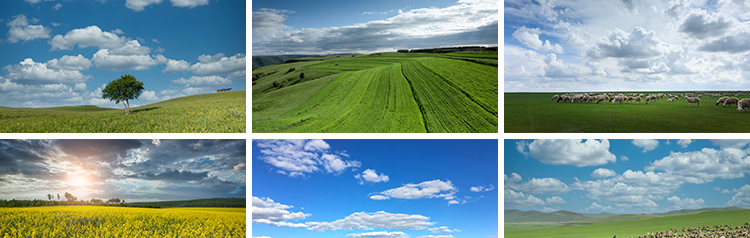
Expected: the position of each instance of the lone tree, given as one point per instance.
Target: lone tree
(123, 89)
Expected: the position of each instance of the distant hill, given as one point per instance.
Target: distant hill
(513, 215)
(211, 202)
(260, 61)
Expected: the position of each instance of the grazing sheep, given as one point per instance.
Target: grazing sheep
(693, 100)
(745, 102)
(558, 96)
(721, 100)
(730, 101)
(620, 99)
(669, 100)
(650, 98)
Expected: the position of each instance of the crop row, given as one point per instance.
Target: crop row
(445, 107)
(119, 222)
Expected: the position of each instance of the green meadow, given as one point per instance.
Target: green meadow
(537, 113)
(382, 92)
(204, 113)
(634, 228)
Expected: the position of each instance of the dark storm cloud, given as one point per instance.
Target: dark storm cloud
(172, 176)
(98, 150)
(699, 26)
(20, 157)
(731, 44)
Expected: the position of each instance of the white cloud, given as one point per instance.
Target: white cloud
(379, 197)
(541, 186)
(530, 38)
(453, 202)
(514, 177)
(624, 158)
(598, 208)
(149, 96)
(30, 72)
(646, 144)
(380, 234)
(678, 203)
(85, 37)
(57, 6)
(444, 229)
(366, 221)
(211, 58)
(440, 236)
(684, 142)
(741, 198)
(572, 152)
(603, 173)
(131, 47)
(482, 188)
(70, 63)
(426, 189)
(21, 30)
(729, 143)
(266, 211)
(555, 199)
(268, 23)
(202, 81)
(223, 66)
(705, 165)
(104, 60)
(515, 199)
(175, 66)
(189, 3)
(700, 24)
(298, 157)
(370, 175)
(139, 5)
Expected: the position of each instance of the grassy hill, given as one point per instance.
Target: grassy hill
(513, 215)
(260, 61)
(381, 92)
(211, 113)
(210, 202)
(637, 227)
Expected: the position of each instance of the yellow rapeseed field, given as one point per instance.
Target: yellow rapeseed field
(97, 221)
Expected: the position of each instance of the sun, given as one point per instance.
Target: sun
(78, 180)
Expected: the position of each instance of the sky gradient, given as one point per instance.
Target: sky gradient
(626, 176)
(623, 45)
(330, 27)
(375, 188)
(58, 52)
(133, 170)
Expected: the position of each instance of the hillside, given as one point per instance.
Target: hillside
(381, 92)
(260, 61)
(636, 228)
(210, 202)
(513, 215)
(212, 112)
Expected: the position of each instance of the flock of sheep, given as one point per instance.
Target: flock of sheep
(717, 231)
(634, 97)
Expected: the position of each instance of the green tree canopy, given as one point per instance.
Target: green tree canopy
(123, 89)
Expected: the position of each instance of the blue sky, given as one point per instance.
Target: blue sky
(134, 170)
(626, 176)
(61, 52)
(618, 45)
(328, 27)
(375, 188)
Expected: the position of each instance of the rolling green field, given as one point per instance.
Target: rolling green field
(537, 113)
(383, 92)
(636, 228)
(204, 113)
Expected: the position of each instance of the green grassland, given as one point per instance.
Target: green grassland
(204, 113)
(382, 92)
(537, 113)
(635, 227)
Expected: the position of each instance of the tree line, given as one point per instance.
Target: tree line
(70, 200)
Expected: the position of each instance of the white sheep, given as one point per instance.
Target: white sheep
(621, 99)
(721, 100)
(693, 100)
(745, 102)
(558, 96)
(730, 101)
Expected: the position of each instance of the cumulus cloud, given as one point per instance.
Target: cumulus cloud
(646, 144)
(368, 221)
(103, 59)
(298, 157)
(444, 229)
(68, 62)
(684, 142)
(426, 189)
(541, 186)
(603, 173)
(268, 23)
(222, 66)
(741, 198)
(379, 197)
(571, 152)
(139, 5)
(700, 24)
(514, 177)
(188, 3)
(176, 66)
(85, 37)
(555, 199)
(530, 38)
(515, 199)
(684, 203)
(20, 29)
(266, 211)
(705, 165)
(482, 188)
(738, 43)
(30, 72)
(380, 234)
(370, 175)
(597, 208)
(202, 81)
(729, 143)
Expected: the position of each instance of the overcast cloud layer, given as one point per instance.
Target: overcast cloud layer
(134, 170)
(572, 45)
(468, 22)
